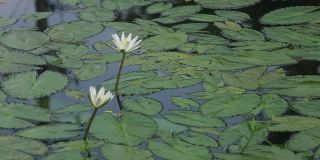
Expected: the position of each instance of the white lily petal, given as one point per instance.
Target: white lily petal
(125, 42)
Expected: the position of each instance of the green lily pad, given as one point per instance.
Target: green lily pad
(31, 85)
(173, 149)
(6, 21)
(20, 148)
(36, 16)
(51, 132)
(233, 15)
(230, 105)
(94, 14)
(122, 152)
(195, 119)
(165, 41)
(226, 4)
(23, 39)
(292, 15)
(158, 8)
(143, 105)
(294, 123)
(305, 107)
(74, 31)
(130, 129)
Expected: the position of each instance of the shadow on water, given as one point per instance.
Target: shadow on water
(304, 67)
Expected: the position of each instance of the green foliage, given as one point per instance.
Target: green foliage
(31, 85)
(230, 105)
(262, 153)
(143, 105)
(185, 103)
(72, 149)
(305, 107)
(158, 8)
(23, 39)
(130, 129)
(172, 148)
(96, 14)
(225, 4)
(51, 132)
(148, 82)
(233, 15)
(195, 119)
(20, 148)
(20, 115)
(305, 140)
(6, 21)
(293, 123)
(36, 16)
(121, 152)
(292, 15)
(74, 31)
(299, 35)
(165, 41)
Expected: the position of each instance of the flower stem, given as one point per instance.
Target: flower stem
(89, 124)
(116, 88)
(119, 72)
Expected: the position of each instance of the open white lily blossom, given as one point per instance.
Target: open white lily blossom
(125, 43)
(100, 98)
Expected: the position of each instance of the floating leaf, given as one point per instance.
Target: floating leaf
(199, 139)
(239, 134)
(143, 105)
(36, 16)
(123, 4)
(257, 45)
(51, 132)
(3, 96)
(294, 123)
(304, 141)
(308, 108)
(194, 119)
(122, 152)
(185, 103)
(94, 14)
(305, 53)
(271, 105)
(173, 149)
(262, 153)
(165, 41)
(165, 126)
(292, 15)
(6, 21)
(74, 31)
(205, 18)
(148, 82)
(191, 27)
(233, 15)
(74, 108)
(245, 34)
(230, 105)
(73, 149)
(158, 8)
(131, 129)
(223, 4)
(23, 39)
(31, 85)
(20, 148)
(293, 34)
(181, 11)
(90, 71)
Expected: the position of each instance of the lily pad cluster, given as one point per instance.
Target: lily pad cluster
(243, 96)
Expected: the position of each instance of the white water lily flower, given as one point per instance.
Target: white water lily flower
(125, 43)
(101, 98)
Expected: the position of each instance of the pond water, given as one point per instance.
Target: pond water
(214, 79)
